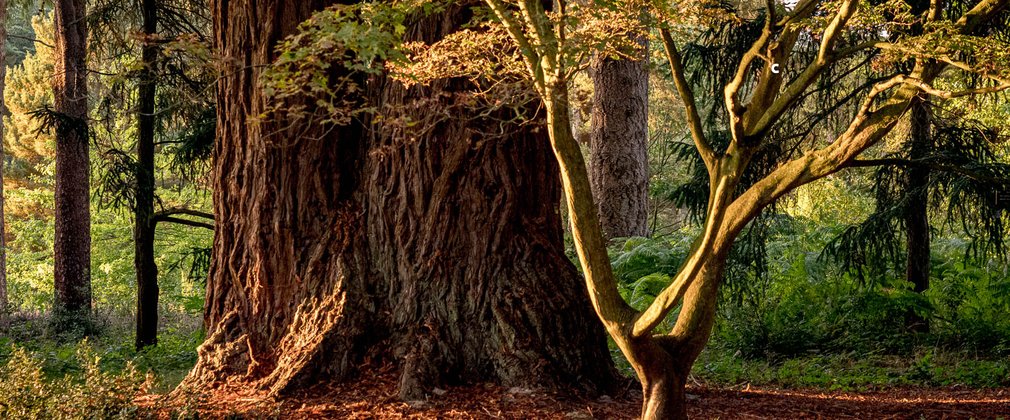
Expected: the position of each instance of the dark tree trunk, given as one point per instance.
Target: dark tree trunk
(916, 215)
(618, 163)
(72, 254)
(143, 212)
(4, 301)
(440, 250)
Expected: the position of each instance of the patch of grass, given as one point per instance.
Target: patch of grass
(111, 340)
(853, 372)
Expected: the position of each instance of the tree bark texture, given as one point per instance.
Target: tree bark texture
(4, 300)
(72, 252)
(143, 212)
(619, 140)
(663, 363)
(440, 250)
(916, 214)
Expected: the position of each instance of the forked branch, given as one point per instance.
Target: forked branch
(671, 296)
(795, 90)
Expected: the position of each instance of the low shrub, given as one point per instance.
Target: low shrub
(26, 392)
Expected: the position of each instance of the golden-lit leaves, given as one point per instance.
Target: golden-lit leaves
(484, 52)
(692, 13)
(317, 75)
(985, 56)
(609, 31)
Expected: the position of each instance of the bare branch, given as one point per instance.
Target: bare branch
(672, 294)
(809, 74)
(35, 40)
(925, 87)
(831, 33)
(802, 9)
(180, 210)
(979, 14)
(943, 58)
(545, 40)
(732, 89)
(515, 30)
(865, 130)
(176, 220)
(687, 96)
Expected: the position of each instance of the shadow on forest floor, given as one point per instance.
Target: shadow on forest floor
(902, 403)
(375, 397)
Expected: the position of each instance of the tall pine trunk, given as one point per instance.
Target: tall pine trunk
(143, 212)
(72, 252)
(439, 250)
(4, 300)
(916, 214)
(619, 140)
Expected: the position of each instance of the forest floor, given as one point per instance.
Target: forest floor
(375, 398)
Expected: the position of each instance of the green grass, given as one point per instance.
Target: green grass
(853, 371)
(111, 341)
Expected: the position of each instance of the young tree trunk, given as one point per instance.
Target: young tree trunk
(4, 301)
(663, 387)
(440, 250)
(143, 212)
(661, 362)
(916, 215)
(72, 252)
(619, 141)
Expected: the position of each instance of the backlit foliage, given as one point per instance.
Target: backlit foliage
(29, 88)
(335, 51)
(25, 393)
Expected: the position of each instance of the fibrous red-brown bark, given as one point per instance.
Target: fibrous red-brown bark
(440, 250)
(72, 254)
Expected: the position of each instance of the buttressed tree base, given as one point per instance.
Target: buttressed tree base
(338, 244)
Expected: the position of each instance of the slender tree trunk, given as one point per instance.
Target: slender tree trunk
(143, 212)
(916, 215)
(72, 252)
(438, 249)
(661, 362)
(619, 163)
(4, 301)
(663, 387)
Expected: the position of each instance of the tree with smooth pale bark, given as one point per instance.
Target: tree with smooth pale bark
(839, 30)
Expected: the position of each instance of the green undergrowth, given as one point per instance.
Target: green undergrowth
(853, 372)
(804, 321)
(28, 391)
(110, 340)
(50, 372)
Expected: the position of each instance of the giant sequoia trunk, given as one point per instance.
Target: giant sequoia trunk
(916, 215)
(143, 211)
(440, 250)
(619, 141)
(72, 254)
